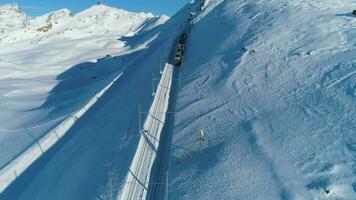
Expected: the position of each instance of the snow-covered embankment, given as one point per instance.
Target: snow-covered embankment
(17, 166)
(139, 173)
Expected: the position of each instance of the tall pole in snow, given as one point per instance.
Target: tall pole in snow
(153, 85)
(201, 140)
(166, 51)
(139, 119)
(111, 184)
(179, 81)
(160, 64)
(166, 197)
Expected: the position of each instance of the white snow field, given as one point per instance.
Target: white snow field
(272, 84)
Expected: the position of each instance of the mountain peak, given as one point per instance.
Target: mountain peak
(11, 7)
(12, 17)
(101, 7)
(58, 15)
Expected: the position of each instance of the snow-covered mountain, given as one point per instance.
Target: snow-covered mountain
(11, 19)
(99, 19)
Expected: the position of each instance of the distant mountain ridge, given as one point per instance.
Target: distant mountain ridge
(15, 25)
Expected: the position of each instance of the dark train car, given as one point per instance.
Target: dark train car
(178, 57)
(182, 38)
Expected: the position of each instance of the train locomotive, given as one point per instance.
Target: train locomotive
(178, 57)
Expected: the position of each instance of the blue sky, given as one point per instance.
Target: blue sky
(158, 7)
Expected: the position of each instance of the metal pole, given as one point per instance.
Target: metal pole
(166, 197)
(111, 184)
(167, 48)
(160, 65)
(201, 140)
(179, 81)
(139, 118)
(201, 146)
(153, 85)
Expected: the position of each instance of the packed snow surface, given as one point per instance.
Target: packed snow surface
(273, 86)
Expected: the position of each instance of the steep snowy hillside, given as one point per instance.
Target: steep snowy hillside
(273, 86)
(52, 66)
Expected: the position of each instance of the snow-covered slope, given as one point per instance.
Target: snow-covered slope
(48, 75)
(273, 86)
(271, 83)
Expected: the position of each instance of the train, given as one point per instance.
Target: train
(178, 57)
